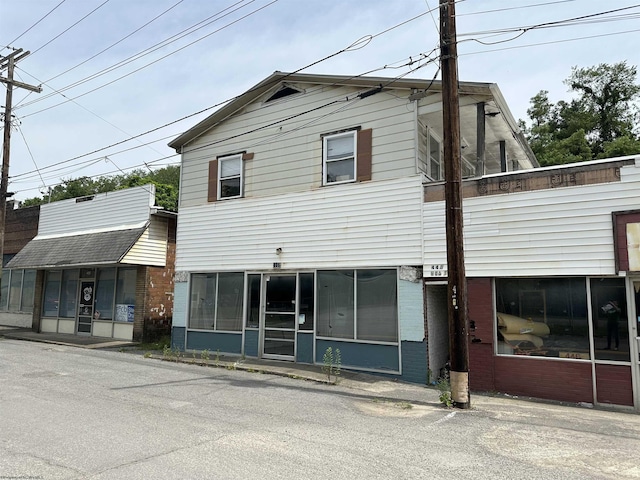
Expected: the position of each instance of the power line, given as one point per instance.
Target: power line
(28, 29)
(513, 8)
(69, 28)
(153, 48)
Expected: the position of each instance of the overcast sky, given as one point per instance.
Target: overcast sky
(213, 50)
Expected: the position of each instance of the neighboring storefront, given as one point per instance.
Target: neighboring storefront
(17, 287)
(553, 279)
(101, 266)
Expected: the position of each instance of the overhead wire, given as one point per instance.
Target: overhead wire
(157, 46)
(36, 23)
(69, 28)
(356, 45)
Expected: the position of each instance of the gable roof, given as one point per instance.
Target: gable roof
(418, 88)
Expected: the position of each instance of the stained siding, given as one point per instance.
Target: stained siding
(352, 225)
(288, 155)
(151, 247)
(128, 207)
(564, 231)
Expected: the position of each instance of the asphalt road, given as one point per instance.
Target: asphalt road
(70, 413)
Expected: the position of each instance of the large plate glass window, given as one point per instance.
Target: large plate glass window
(216, 301)
(51, 293)
(339, 162)
(609, 316)
(360, 304)
(230, 177)
(105, 290)
(69, 294)
(544, 317)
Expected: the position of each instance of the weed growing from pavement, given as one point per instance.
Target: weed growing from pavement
(332, 361)
(147, 354)
(204, 356)
(445, 392)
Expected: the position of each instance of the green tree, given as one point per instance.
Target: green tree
(166, 180)
(601, 121)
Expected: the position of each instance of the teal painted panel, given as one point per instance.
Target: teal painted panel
(177, 337)
(304, 353)
(362, 355)
(251, 343)
(414, 362)
(214, 341)
(180, 295)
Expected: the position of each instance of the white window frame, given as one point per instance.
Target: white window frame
(431, 135)
(221, 160)
(325, 160)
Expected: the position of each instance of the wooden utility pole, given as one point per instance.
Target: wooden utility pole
(8, 62)
(457, 282)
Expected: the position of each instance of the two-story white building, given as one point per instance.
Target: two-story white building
(302, 224)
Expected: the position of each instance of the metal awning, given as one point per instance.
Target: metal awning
(76, 250)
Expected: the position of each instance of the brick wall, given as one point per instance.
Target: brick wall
(159, 292)
(551, 379)
(614, 384)
(481, 358)
(20, 227)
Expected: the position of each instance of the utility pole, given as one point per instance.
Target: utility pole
(8, 62)
(457, 282)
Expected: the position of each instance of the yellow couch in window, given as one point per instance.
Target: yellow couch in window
(517, 330)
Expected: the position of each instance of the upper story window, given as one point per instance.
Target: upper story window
(435, 166)
(230, 177)
(339, 158)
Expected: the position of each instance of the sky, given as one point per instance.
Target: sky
(111, 70)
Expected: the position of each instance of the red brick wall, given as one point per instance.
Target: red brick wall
(480, 300)
(159, 292)
(551, 379)
(614, 384)
(21, 226)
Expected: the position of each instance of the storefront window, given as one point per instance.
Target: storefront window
(217, 301)
(253, 301)
(377, 313)
(305, 309)
(373, 293)
(4, 289)
(28, 290)
(336, 298)
(230, 297)
(105, 289)
(69, 294)
(609, 316)
(543, 317)
(15, 290)
(51, 294)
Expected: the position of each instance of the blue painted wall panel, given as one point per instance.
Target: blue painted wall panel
(214, 341)
(251, 343)
(180, 295)
(304, 353)
(177, 337)
(414, 362)
(379, 357)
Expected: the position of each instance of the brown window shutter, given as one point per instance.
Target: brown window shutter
(212, 195)
(364, 156)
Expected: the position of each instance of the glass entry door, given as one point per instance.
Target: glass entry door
(85, 306)
(280, 313)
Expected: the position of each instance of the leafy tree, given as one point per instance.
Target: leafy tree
(601, 122)
(166, 180)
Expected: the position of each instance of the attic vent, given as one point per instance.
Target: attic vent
(84, 199)
(284, 91)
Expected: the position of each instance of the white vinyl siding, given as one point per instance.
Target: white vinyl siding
(151, 247)
(114, 210)
(346, 226)
(563, 231)
(296, 163)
